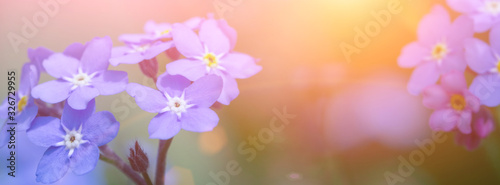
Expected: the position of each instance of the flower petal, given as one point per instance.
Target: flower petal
(464, 6)
(199, 120)
(495, 38)
(38, 55)
(186, 41)
(482, 22)
(435, 97)
(29, 79)
(100, 128)
(479, 55)
(96, 55)
(73, 119)
(454, 82)
(213, 38)
(464, 124)
(437, 18)
(132, 58)
(412, 54)
(174, 85)
(75, 50)
(147, 98)
(157, 49)
(25, 117)
(423, 76)
(229, 90)
(462, 28)
(486, 87)
(81, 96)
(164, 126)
(59, 65)
(453, 62)
(444, 120)
(191, 69)
(240, 65)
(53, 165)
(204, 91)
(46, 131)
(110, 82)
(230, 32)
(53, 91)
(84, 159)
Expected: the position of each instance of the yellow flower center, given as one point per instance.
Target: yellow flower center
(439, 51)
(211, 60)
(22, 103)
(164, 32)
(498, 66)
(458, 102)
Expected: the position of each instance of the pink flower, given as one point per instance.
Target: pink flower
(439, 48)
(452, 102)
(210, 53)
(485, 61)
(485, 13)
(482, 126)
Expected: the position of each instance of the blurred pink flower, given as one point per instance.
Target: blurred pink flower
(439, 48)
(452, 103)
(485, 13)
(482, 126)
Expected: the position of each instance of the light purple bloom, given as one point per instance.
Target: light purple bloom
(209, 53)
(485, 13)
(452, 103)
(482, 126)
(73, 141)
(134, 53)
(179, 104)
(439, 48)
(82, 75)
(38, 55)
(158, 31)
(25, 109)
(485, 61)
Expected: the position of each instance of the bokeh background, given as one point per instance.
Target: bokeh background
(353, 118)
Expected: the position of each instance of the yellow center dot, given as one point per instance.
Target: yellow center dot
(498, 67)
(211, 60)
(165, 32)
(458, 102)
(22, 103)
(439, 51)
(72, 139)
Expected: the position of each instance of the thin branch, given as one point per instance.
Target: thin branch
(109, 156)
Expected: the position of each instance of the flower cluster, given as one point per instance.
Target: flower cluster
(60, 114)
(442, 53)
(193, 82)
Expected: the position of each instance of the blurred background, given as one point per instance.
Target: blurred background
(353, 120)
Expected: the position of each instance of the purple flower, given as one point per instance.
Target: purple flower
(485, 13)
(482, 126)
(134, 53)
(25, 109)
(179, 104)
(485, 61)
(82, 75)
(158, 31)
(73, 141)
(452, 102)
(38, 55)
(439, 48)
(209, 53)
